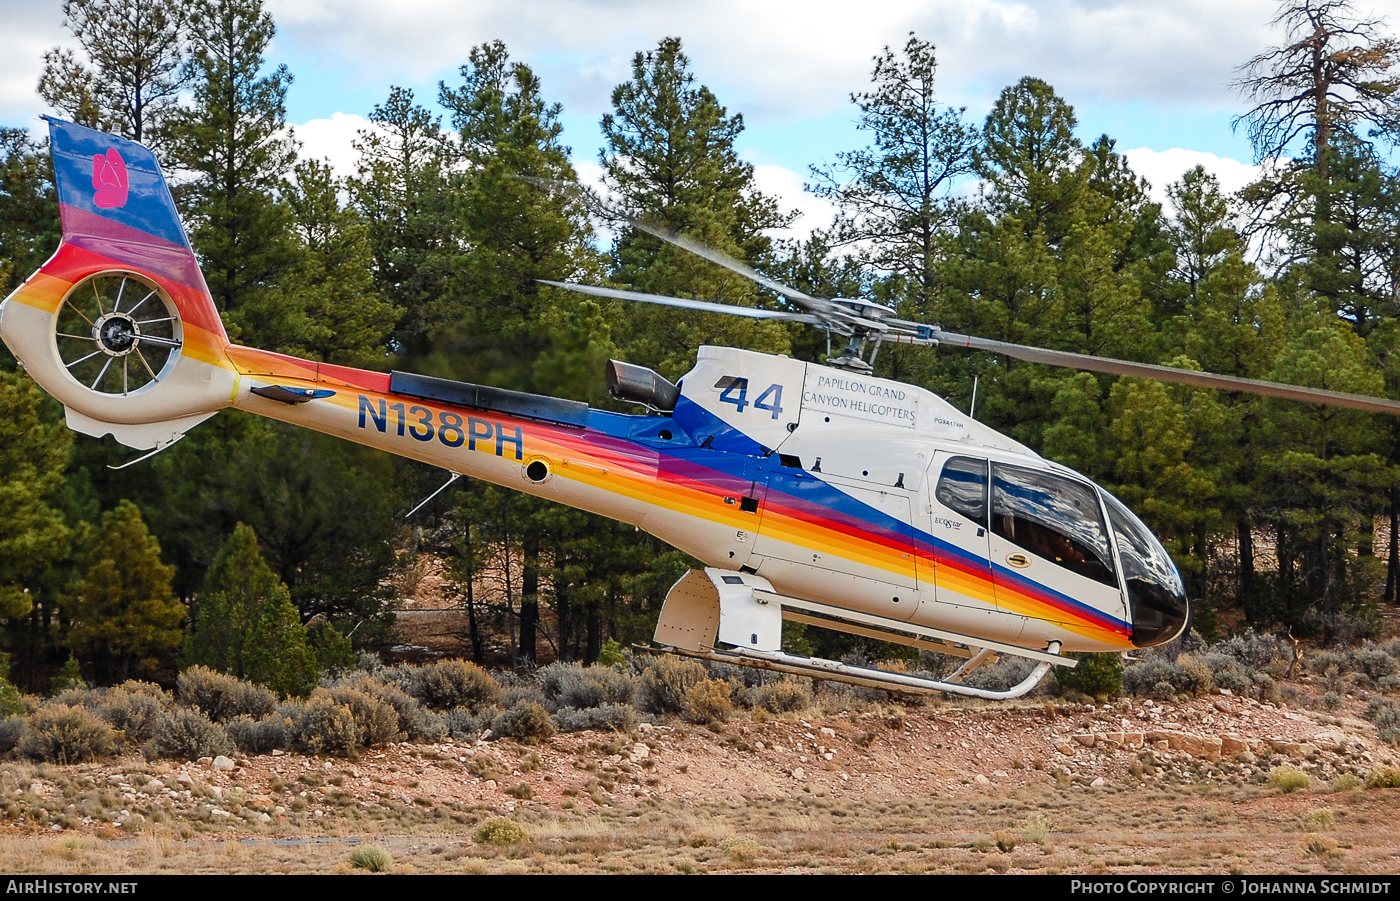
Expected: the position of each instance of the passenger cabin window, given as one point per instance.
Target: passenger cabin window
(962, 488)
(1054, 518)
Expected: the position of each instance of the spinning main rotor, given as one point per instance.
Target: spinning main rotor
(867, 324)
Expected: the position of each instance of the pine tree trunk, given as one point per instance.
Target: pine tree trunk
(530, 599)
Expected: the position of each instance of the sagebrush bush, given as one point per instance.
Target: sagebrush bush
(376, 722)
(59, 733)
(321, 726)
(1186, 677)
(1385, 713)
(572, 685)
(783, 696)
(707, 703)
(463, 725)
(186, 734)
(614, 717)
(452, 683)
(11, 701)
(136, 715)
(11, 731)
(527, 723)
(259, 736)
(666, 681)
(222, 697)
(416, 722)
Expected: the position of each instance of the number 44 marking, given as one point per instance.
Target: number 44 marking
(737, 393)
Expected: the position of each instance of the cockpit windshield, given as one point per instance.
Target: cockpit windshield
(1156, 594)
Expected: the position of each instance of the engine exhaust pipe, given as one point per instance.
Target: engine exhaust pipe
(641, 386)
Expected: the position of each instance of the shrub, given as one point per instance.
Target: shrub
(416, 722)
(222, 697)
(614, 717)
(135, 715)
(321, 726)
(527, 723)
(1188, 677)
(1383, 777)
(454, 683)
(1374, 662)
(784, 696)
(463, 725)
(500, 831)
(666, 681)
(1095, 675)
(707, 703)
(572, 685)
(58, 733)
(1385, 713)
(372, 858)
(259, 736)
(11, 731)
(1288, 779)
(189, 735)
(376, 722)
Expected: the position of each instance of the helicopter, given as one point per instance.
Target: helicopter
(817, 494)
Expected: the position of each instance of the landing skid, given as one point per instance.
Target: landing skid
(736, 618)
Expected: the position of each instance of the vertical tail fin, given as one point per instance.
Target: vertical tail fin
(119, 324)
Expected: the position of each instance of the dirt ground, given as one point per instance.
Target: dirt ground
(1216, 785)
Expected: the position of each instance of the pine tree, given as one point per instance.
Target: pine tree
(130, 73)
(123, 614)
(516, 232)
(244, 623)
(234, 142)
(402, 188)
(670, 157)
(895, 196)
(29, 229)
(347, 320)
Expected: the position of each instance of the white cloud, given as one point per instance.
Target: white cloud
(1161, 168)
(785, 185)
(331, 140)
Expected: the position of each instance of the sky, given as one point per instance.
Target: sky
(1153, 76)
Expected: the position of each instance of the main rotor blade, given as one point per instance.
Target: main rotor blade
(720, 258)
(1170, 374)
(687, 303)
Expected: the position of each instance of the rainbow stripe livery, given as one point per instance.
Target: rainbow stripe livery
(794, 482)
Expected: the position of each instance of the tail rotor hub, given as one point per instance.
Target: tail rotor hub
(117, 334)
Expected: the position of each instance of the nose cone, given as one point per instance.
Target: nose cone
(1156, 595)
(1159, 609)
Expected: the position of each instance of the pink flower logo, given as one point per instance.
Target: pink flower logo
(109, 179)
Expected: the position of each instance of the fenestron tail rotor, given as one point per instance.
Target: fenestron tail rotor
(117, 332)
(864, 322)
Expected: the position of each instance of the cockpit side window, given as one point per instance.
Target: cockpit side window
(1053, 517)
(962, 488)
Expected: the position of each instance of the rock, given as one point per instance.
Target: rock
(204, 761)
(640, 751)
(1098, 783)
(1087, 739)
(219, 814)
(223, 763)
(278, 752)
(799, 773)
(828, 732)
(981, 780)
(155, 785)
(1065, 748)
(264, 818)
(185, 779)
